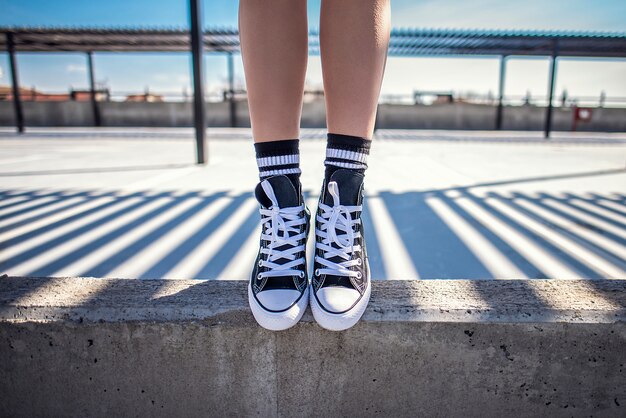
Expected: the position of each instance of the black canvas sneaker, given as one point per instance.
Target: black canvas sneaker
(341, 284)
(278, 289)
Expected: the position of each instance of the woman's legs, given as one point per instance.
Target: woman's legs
(354, 36)
(274, 37)
(274, 41)
(274, 48)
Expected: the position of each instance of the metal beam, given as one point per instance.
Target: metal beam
(17, 100)
(501, 91)
(548, 121)
(199, 115)
(403, 41)
(231, 91)
(97, 120)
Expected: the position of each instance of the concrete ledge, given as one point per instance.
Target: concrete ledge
(102, 347)
(121, 300)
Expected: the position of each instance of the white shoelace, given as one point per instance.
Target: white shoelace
(277, 223)
(336, 226)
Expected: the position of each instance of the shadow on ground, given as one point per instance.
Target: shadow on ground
(450, 233)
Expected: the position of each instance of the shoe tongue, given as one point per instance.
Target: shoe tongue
(285, 192)
(349, 184)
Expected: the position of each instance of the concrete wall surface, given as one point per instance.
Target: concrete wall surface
(463, 116)
(441, 348)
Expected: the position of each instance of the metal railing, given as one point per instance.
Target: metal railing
(148, 95)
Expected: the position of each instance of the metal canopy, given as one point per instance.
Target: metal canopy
(117, 40)
(404, 42)
(415, 42)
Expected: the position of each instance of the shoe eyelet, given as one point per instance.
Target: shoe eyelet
(259, 277)
(358, 275)
(317, 272)
(358, 262)
(301, 274)
(260, 263)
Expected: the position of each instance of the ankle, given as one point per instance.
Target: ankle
(346, 152)
(279, 157)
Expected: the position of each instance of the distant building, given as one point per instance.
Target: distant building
(433, 97)
(34, 95)
(145, 97)
(6, 93)
(85, 95)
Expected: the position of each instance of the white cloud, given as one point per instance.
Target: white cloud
(76, 68)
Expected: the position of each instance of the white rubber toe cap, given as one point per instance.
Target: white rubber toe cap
(277, 299)
(337, 299)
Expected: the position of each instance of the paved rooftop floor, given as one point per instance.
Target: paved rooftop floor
(131, 203)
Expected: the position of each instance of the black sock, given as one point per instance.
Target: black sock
(346, 151)
(279, 157)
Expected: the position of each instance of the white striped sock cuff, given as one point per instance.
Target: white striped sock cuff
(346, 159)
(269, 173)
(342, 164)
(344, 154)
(275, 160)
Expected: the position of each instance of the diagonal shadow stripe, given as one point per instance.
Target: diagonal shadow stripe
(126, 253)
(28, 209)
(50, 212)
(618, 199)
(10, 193)
(163, 266)
(29, 198)
(557, 212)
(599, 200)
(568, 202)
(622, 197)
(571, 262)
(33, 252)
(436, 251)
(93, 245)
(24, 237)
(586, 244)
(373, 243)
(507, 251)
(222, 258)
(35, 195)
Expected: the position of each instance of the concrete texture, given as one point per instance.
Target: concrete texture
(101, 347)
(457, 116)
(117, 300)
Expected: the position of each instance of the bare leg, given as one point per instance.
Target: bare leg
(274, 48)
(354, 35)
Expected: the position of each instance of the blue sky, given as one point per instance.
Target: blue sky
(170, 72)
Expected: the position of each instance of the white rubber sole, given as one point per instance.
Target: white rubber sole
(278, 321)
(345, 320)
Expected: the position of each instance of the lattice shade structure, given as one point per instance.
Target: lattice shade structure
(404, 42)
(117, 40)
(407, 42)
(416, 42)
